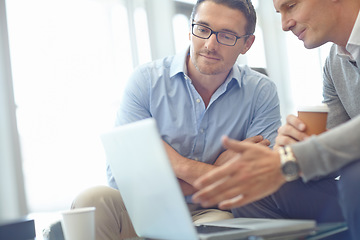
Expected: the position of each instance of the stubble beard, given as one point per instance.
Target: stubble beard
(205, 68)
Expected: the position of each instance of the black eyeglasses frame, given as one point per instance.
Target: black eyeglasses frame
(216, 34)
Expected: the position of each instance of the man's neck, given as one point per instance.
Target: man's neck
(348, 16)
(205, 85)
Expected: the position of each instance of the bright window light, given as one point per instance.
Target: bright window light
(70, 61)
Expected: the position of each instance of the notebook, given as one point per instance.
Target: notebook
(153, 197)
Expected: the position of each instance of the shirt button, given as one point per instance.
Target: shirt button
(196, 159)
(198, 100)
(202, 130)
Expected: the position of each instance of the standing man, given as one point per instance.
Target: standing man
(312, 158)
(196, 97)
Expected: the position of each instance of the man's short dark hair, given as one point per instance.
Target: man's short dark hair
(245, 6)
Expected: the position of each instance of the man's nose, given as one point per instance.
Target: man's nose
(211, 42)
(287, 23)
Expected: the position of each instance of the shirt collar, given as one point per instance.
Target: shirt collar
(178, 64)
(235, 73)
(352, 49)
(355, 33)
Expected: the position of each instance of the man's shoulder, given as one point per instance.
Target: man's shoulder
(339, 64)
(248, 71)
(161, 63)
(169, 65)
(253, 75)
(255, 81)
(157, 73)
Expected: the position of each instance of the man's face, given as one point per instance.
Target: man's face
(311, 21)
(207, 55)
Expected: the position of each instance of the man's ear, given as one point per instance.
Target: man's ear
(249, 42)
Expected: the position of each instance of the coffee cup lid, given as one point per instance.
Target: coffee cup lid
(78, 210)
(314, 108)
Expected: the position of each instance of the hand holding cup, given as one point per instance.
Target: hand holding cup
(314, 117)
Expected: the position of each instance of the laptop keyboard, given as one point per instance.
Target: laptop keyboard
(212, 229)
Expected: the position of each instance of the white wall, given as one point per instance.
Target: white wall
(12, 195)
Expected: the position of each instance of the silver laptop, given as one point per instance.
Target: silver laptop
(153, 197)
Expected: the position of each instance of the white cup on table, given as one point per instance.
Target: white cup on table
(79, 223)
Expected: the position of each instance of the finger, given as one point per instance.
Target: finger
(282, 140)
(232, 203)
(254, 139)
(211, 195)
(238, 195)
(291, 132)
(225, 188)
(227, 204)
(215, 175)
(218, 192)
(277, 146)
(229, 198)
(238, 201)
(265, 142)
(252, 192)
(295, 122)
(258, 139)
(235, 145)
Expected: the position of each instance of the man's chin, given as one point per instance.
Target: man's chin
(312, 45)
(207, 70)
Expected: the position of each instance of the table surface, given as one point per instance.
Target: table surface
(327, 229)
(321, 231)
(43, 220)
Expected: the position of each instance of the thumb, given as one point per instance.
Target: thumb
(235, 145)
(254, 139)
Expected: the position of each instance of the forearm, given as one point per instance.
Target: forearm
(186, 188)
(189, 170)
(330, 151)
(186, 169)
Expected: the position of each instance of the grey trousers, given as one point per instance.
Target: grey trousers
(112, 220)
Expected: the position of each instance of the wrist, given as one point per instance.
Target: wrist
(289, 166)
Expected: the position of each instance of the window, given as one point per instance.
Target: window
(70, 61)
(306, 72)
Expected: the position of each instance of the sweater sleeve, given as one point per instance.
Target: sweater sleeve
(332, 71)
(326, 153)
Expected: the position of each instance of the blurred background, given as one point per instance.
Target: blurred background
(71, 59)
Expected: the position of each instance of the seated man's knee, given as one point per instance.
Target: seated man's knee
(349, 182)
(111, 218)
(349, 196)
(96, 197)
(349, 187)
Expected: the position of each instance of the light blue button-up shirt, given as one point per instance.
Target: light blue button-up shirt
(245, 105)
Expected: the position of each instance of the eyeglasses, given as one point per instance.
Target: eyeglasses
(224, 38)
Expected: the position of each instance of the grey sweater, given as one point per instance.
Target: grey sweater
(328, 152)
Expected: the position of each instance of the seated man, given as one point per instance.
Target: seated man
(335, 152)
(196, 97)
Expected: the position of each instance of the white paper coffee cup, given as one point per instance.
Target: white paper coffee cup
(314, 117)
(79, 223)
